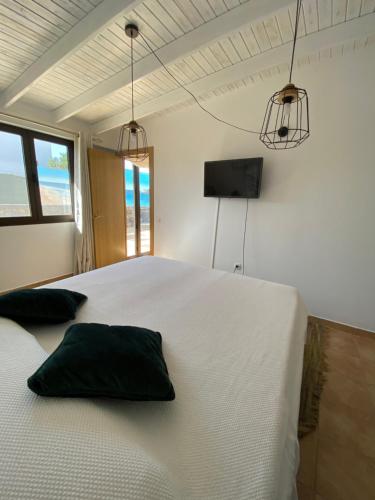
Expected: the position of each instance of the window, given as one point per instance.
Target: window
(130, 210)
(139, 231)
(36, 177)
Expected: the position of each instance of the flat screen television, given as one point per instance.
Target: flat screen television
(233, 178)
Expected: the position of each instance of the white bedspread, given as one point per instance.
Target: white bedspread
(233, 347)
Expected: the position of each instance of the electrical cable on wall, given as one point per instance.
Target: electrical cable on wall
(243, 240)
(215, 234)
(244, 237)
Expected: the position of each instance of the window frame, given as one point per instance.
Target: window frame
(31, 176)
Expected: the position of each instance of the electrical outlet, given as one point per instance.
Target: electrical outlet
(237, 267)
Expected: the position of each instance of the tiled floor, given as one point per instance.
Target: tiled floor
(338, 459)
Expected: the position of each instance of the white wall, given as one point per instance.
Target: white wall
(313, 226)
(35, 253)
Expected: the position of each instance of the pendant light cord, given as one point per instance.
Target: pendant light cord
(203, 108)
(298, 11)
(193, 96)
(132, 73)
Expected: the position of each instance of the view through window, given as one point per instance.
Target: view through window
(35, 177)
(138, 209)
(54, 178)
(14, 195)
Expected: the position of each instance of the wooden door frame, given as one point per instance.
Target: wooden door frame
(94, 205)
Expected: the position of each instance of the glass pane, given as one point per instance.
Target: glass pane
(144, 200)
(54, 178)
(130, 209)
(14, 196)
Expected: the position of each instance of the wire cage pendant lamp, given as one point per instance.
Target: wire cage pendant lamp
(132, 143)
(286, 121)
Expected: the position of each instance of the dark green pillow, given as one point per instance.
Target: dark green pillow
(100, 360)
(42, 305)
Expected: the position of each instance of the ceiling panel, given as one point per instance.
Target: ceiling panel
(310, 12)
(230, 4)
(230, 50)
(331, 53)
(367, 7)
(247, 34)
(324, 13)
(253, 39)
(240, 45)
(338, 11)
(261, 36)
(273, 31)
(285, 25)
(109, 52)
(191, 12)
(29, 27)
(205, 9)
(353, 9)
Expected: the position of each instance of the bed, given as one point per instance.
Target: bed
(234, 350)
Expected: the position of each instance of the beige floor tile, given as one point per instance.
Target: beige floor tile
(343, 474)
(348, 428)
(369, 371)
(342, 393)
(347, 408)
(345, 363)
(307, 468)
(366, 350)
(366, 347)
(342, 341)
(345, 441)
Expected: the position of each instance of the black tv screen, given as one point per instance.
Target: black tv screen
(233, 178)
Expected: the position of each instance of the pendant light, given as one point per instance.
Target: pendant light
(132, 143)
(286, 122)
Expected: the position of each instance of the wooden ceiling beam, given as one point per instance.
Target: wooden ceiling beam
(85, 30)
(310, 44)
(204, 35)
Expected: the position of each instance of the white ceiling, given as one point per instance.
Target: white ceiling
(71, 57)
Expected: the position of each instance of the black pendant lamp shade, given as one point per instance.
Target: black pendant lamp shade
(132, 143)
(286, 122)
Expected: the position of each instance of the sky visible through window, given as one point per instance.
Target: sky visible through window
(14, 198)
(144, 185)
(11, 158)
(134, 233)
(53, 176)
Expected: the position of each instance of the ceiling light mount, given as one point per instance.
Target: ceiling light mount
(288, 94)
(131, 30)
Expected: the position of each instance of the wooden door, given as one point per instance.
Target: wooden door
(108, 206)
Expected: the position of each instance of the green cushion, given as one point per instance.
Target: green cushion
(100, 360)
(42, 305)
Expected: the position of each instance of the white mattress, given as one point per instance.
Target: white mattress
(234, 348)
